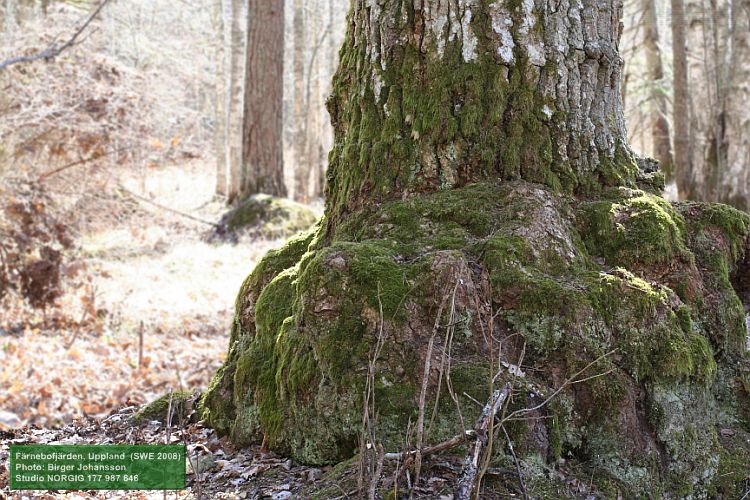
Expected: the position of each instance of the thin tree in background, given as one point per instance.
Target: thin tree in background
(238, 49)
(660, 133)
(681, 122)
(230, 86)
(220, 122)
(262, 128)
(300, 123)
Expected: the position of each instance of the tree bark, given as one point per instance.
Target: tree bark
(262, 153)
(660, 133)
(220, 113)
(437, 94)
(463, 129)
(683, 164)
(235, 139)
(734, 186)
(300, 123)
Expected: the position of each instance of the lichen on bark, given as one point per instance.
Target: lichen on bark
(438, 94)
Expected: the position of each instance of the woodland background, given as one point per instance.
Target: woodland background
(118, 158)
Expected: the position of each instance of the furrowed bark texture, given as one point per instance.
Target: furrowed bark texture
(437, 94)
(263, 169)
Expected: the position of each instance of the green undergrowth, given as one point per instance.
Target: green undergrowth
(616, 288)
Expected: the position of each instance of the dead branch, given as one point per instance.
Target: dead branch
(423, 393)
(431, 450)
(54, 50)
(164, 207)
(82, 161)
(571, 380)
(483, 427)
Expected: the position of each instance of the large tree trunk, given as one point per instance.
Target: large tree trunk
(483, 208)
(455, 92)
(262, 128)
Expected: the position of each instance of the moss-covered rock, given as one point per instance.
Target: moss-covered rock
(266, 216)
(179, 403)
(638, 287)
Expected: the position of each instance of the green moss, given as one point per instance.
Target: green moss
(309, 318)
(438, 123)
(733, 477)
(634, 228)
(181, 405)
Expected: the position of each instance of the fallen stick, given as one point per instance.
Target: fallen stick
(164, 207)
(482, 428)
(430, 450)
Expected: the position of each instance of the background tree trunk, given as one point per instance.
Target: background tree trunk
(238, 49)
(300, 122)
(262, 128)
(683, 162)
(220, 111)
(660, 134)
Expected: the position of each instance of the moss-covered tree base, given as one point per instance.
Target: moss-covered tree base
(513, 271)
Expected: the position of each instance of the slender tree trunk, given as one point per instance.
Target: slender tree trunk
(682, 157)
(660, 134)
(301, 183)
(234, 109)
(734, 185)
(262, 153)
(314, 109)
(220, 111)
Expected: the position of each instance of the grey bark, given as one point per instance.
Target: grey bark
(682, 155)
(235, 105)
(220, 123)
(660, 133)
(563, 122)
(300, 123)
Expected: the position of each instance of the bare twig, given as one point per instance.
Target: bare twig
(518, 466)
(423, 393)
(571, 380)
(375, 479)
(456, 440)
(369, 469)
(54, 50)
(483, 429)
(82, 161)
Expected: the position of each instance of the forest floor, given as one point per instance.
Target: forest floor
(153, 313)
